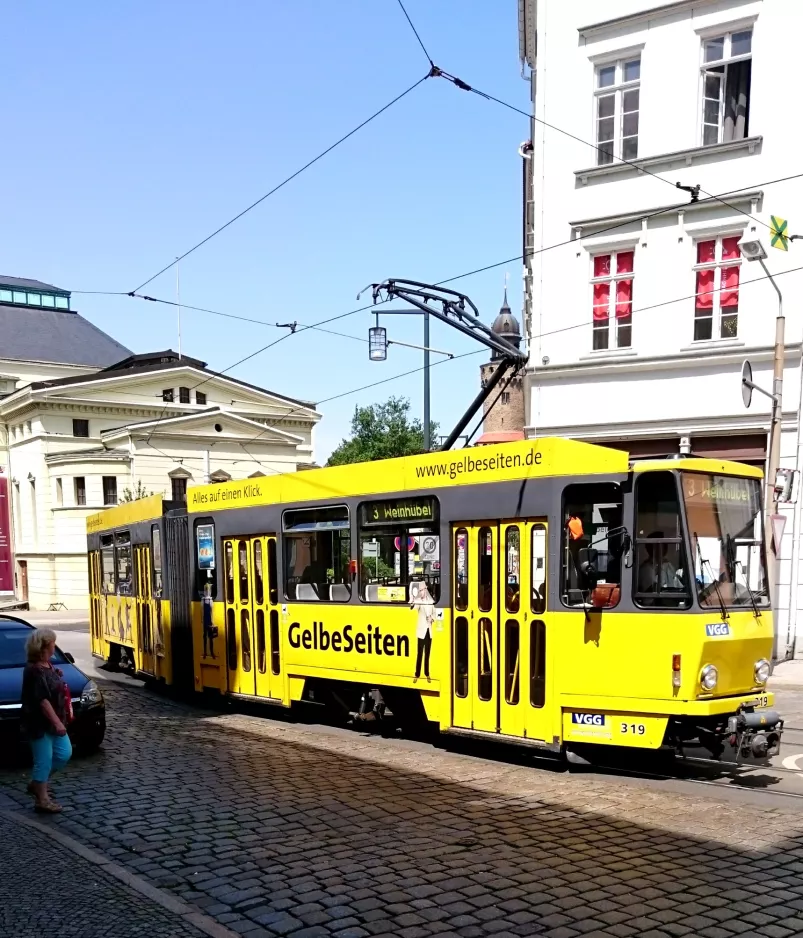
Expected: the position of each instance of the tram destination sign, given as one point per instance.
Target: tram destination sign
(397, 511)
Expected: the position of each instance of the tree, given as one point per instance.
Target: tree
(382, 431)
(133, 495)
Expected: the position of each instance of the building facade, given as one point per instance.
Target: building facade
(110, 426)
(639, 306)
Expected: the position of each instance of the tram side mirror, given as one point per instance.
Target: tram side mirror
(589, 572)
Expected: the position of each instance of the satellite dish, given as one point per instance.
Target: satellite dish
(747, 383)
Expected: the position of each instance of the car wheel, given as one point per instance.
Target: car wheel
(91, 741)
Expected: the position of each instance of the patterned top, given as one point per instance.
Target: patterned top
(41, 682)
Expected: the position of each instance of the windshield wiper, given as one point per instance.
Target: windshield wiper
(714, 579)
(733, 563)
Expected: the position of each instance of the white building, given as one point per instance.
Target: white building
(638, 326)
(77, 439)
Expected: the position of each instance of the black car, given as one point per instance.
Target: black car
(89, 724)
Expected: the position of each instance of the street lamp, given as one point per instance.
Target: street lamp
(753, 250)
(378, 343)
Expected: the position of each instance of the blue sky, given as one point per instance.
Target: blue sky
(134, 129)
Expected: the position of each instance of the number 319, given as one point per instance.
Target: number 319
(632, 729)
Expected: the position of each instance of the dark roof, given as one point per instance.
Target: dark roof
(156, 365)
(30, 284)
(51, 335)
(167, 357)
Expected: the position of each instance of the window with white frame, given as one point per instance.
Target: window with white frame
(616, 109)
(716, 306)
(725, 82)
(612, 285)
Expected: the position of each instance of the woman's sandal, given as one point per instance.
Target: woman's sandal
(48, 807)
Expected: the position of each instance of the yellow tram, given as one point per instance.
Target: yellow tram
(547, 592)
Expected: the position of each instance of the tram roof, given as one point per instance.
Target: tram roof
(506, 462)
(144, 509)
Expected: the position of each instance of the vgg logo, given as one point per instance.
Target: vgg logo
(589, 719)
(717, 628)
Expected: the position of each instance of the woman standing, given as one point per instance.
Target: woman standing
(425, 605)
(44, 717)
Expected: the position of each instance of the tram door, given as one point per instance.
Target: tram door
(145, 610)
(499, 645)
(253, 650)
(95, 600)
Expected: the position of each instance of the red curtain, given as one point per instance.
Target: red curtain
(729, 297)
(730, 248)
(624, 298)
(602, 265)
(602, 295)
(706, 252)
(705, 286)
(624, 262)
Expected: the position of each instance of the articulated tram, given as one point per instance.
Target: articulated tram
(546, 592)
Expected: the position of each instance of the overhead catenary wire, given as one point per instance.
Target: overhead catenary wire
(415, 31)
(285, 181)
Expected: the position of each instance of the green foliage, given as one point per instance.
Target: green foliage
(382, 431)
(133, 495)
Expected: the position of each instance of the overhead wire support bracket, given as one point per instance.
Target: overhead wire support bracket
(458, 311)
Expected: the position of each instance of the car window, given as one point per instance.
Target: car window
(12, 649)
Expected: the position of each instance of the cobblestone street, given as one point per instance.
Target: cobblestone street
(277, 828)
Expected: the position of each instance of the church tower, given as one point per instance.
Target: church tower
(503, 421)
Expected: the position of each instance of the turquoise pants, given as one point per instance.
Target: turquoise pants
(50, 753)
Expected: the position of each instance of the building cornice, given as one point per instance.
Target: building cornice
(642, 16)
(728, 355)
(688, 157)
(59, 459)
(657, 429)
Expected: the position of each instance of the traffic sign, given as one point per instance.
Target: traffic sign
(747, 383)
(779, 233)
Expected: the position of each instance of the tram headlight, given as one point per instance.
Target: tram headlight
(762, 671)
(709, 677)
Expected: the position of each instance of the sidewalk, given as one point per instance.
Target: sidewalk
(787, 674)
(72, 620)
(49, 891)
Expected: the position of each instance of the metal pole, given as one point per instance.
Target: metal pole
(775, 440)
(178, 307)
(427, 441)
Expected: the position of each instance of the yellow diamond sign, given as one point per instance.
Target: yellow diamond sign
(779, 233)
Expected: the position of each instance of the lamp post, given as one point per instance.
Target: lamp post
(752, 249)
(378, 343)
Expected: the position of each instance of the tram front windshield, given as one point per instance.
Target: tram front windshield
(727, 541)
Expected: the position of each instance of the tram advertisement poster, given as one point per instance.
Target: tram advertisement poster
(205, 537)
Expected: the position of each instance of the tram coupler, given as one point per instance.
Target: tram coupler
(755, 733)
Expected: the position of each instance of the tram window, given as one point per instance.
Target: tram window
(589, 512)
(461, 569)
(317, 554)
(245, 639)
(660, 576)
(259, 589)
(461, 656)
(107, 562)
(156, 561)
(486, 570)
(539, 569)
(273, 574)
(537, 663)
(242, 565)
(512, 648)
(262, 657)
(229, 572)
(399, 546)
(231, 639)
(275, 650)
(205, 557)
(512, 569)
(122, 548)
(485, 659)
